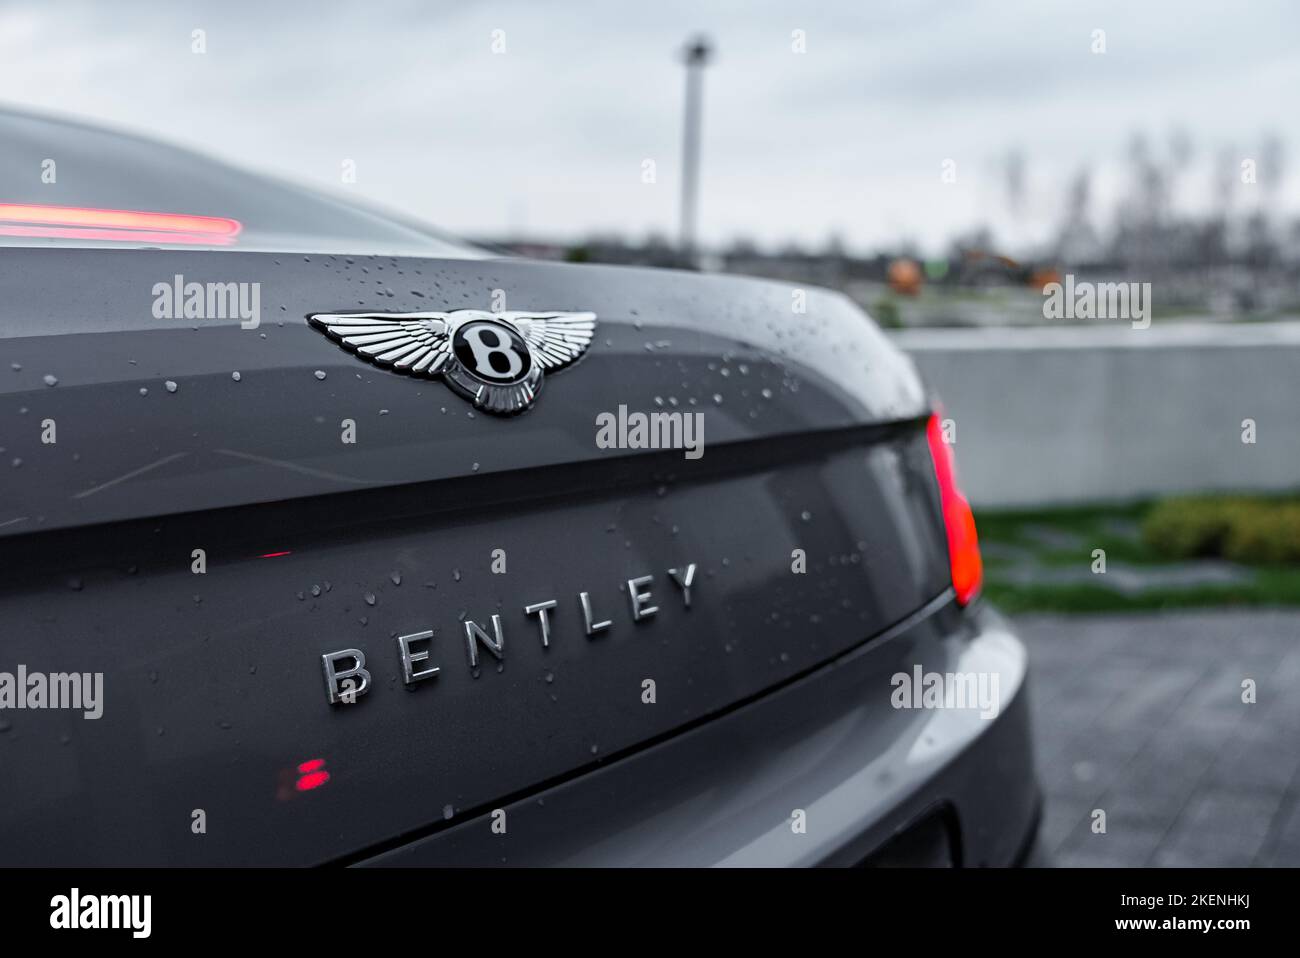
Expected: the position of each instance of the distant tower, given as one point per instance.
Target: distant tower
(696, 55)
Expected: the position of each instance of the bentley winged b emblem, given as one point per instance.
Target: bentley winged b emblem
(495, 360)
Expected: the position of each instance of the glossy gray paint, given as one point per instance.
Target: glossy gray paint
(829, 744)
(213, 690)
(83, 316)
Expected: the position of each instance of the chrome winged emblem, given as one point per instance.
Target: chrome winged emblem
(495, 360)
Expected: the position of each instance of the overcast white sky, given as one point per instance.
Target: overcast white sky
(549, 138)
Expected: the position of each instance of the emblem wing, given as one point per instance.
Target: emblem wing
(418, 343)
(557, 339)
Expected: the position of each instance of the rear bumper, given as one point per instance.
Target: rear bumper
(831, 743)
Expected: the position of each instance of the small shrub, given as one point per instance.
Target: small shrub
(1188, 527)
(1264, 531)
(1268, 533)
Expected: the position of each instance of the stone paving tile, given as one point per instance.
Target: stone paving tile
(1282, 846)
(1288, 831)
(1089, 766)
(1142, 715)
(1191, 738)
(1124, 844)
(1216, 811)
(1227, 822)
(1060, 819)
(1184, 856)
(1147, 801)
(1257, 757)
(1168, 767)
(1279, 856)
(1150, 701)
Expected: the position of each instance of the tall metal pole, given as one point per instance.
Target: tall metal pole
(696, 56)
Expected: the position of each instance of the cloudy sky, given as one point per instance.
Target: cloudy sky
(550, 137)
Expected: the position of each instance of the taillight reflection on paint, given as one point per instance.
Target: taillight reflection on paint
(311, 774)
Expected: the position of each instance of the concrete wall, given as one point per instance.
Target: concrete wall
(1059, 415)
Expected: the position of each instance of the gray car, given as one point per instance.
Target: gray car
(330, 539)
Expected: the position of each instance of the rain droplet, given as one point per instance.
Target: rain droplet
(235, 376)
(171, 386)
(448, 812)
(370, 598)
(50, 380)
(396, 577)
(320, 374)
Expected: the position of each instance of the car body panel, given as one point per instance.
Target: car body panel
(828, 744)
(215, 678)
(729, 348)
(229, 498)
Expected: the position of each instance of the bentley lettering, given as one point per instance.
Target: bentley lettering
(347, 677)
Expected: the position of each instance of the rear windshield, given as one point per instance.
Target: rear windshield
(69, 184)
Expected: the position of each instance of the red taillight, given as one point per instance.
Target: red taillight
(76, 222)
(958, 520)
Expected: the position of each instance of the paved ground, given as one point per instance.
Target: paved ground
(1142, 716)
